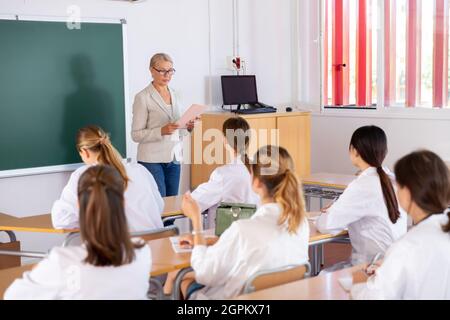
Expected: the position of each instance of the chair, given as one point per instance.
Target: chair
(275, 277)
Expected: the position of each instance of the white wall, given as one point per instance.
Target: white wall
(198, 35)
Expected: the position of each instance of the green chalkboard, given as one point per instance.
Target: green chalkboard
(53, 81)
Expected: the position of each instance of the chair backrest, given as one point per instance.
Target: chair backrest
(275, 277)
(74, 239)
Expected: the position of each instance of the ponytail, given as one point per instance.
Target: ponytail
(289, 195)
(103, 224)
(274, 168)
(95, 139)
(389, 195)
(110, 156)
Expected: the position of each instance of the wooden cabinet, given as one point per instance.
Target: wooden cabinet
(291, 130)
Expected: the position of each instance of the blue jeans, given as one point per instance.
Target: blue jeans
(167, 177)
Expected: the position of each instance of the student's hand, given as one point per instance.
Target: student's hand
(190, 208)
(370, 270)
(169, 128)
(186, 241)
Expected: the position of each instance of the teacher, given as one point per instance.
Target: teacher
(155, 111)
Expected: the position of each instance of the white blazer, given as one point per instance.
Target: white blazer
(64, 275)
(229, 183)
(246, 247)
(143, 202)
(361, 209)
(150, 114)
(417, 267)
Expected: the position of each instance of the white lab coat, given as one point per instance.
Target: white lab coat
(229, 183)
(246, 247)
(143, 202)
(64, 275)
(361, 209)
(417, 267)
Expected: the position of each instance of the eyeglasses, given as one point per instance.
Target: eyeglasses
(165, 72)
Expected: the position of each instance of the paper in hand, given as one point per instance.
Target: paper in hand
(193, 112)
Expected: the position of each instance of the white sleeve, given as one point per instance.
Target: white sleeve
(390, 278)
(65, 211)
(44, 282)
(349, 208)
(210, 193)
(139, 131)
(213, 264)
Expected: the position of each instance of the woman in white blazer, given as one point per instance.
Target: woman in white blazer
(108, 265)
(418, 265)
(232, 181)
(155, 112)
(143, 203)
(368, 207)
(276, 235)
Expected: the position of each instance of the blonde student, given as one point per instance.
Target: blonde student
(368, 207)
(143, 202)
(418, 265)
(276, 235)
(230, 182)
(108, 265)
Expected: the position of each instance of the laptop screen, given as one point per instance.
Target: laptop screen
(239, 90)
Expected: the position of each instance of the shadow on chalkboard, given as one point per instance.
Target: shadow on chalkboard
(89, 104)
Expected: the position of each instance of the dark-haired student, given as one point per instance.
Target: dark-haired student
(417, 267)
(369, 206)
(108, 265)
(230, 182)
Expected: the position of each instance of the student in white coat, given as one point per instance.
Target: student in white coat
(418, 265)
(368, 207)
(143, 202)
(230, 182)
(108, 265)
(276, 235)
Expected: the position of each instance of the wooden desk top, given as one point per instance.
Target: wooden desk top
(167, 260)
(172, 206)
(43, 223)
(330, 180)
(322, 287)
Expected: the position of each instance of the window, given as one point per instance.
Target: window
(415, 54)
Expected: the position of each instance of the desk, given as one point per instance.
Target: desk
(323, 287)
(43, 224)
(168, 260)
(324, 186)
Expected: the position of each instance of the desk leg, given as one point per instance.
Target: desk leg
(319, 258)
(177, 284)
(308, 203)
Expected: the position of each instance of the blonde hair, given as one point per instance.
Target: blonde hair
(274, 167)
(159, 57)
(93, 138)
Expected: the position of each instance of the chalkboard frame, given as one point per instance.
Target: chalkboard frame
(71, 167)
